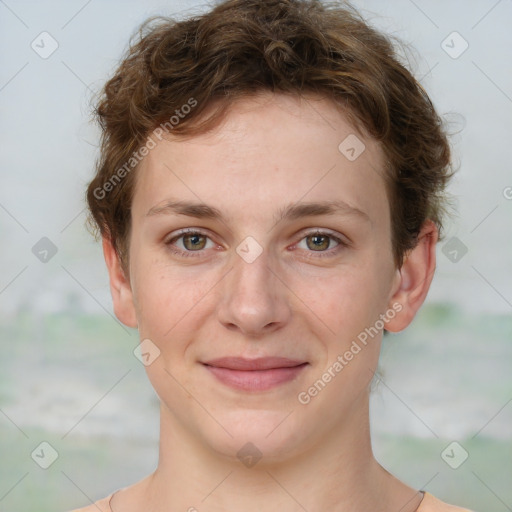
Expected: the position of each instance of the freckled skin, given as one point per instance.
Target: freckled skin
(292, 301)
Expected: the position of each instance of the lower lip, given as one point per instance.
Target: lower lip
(256, 380)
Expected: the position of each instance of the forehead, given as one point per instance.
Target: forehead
(269, 151)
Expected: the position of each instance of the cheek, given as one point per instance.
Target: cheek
(165, 295)
(350, 303)
(166, 306)
(345, 300)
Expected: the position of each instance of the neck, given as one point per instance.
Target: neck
(338, 474)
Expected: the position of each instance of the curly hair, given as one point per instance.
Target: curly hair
(179, 69)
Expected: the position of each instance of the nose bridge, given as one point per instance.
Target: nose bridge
(252, 271)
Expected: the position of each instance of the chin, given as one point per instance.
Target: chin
(270, 437)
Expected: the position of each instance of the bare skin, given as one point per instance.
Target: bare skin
(303, 297)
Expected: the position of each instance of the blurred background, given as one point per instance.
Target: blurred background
(78, 418)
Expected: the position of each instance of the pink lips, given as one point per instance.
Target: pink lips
(255, 374)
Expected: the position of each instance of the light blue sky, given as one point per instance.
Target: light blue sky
(48, 145)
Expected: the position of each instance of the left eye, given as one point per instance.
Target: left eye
(319, 242)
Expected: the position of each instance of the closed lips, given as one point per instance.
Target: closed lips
(264, 363)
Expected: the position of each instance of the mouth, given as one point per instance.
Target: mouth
(255, 374)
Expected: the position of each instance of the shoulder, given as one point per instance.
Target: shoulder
(133, 493)
(432, 504)
(99, 506)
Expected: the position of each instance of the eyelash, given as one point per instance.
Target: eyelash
(312, 254)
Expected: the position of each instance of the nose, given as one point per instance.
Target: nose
(254, 299)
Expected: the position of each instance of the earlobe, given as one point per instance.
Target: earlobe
(414, 277)
(120, 287)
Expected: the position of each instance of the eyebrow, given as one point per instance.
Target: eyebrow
(291, 212)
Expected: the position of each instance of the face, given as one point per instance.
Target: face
(280, 247)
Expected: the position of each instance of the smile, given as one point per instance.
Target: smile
(255, 374)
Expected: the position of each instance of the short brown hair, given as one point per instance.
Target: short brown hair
(242, 47)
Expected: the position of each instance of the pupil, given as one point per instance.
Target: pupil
(194, 240)
(317, 241)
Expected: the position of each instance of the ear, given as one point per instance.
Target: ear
(120, 287)
(414, 277)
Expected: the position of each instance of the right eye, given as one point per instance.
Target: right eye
(191, 241)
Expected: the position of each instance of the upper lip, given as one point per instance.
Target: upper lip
(260, 363)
